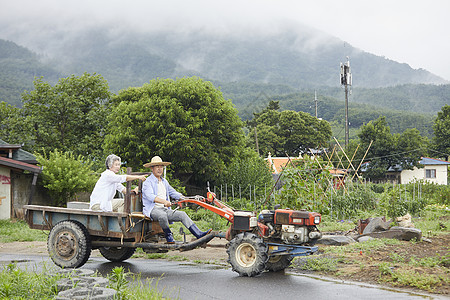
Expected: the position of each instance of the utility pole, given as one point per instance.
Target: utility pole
(346, 80)
(315, 101)
(256, 138)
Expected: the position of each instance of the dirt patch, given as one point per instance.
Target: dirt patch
(417, 258)
(214, 252)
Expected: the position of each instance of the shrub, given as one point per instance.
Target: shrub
(64, 175)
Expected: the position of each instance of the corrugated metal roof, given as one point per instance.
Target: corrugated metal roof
(433, 161)
(19, 154)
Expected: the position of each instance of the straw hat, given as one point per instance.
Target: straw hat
(156, 161)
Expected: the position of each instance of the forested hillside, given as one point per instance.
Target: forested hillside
(300, 59)
(409, 97)
(256, 97)
(250, 70)
(18, 67)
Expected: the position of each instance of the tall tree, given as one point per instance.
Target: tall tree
(13, 126)
(288, 131)
(186, 121)
(69, 116)
(441, 129)
(399, 151)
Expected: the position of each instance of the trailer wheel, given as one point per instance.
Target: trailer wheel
(247, 254)
(117, 254)
(68, 244)
(278, 262)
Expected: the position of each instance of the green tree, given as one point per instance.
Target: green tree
(288, 131)
(249, 172)
(412, 147)
(441, 129)
(69, 116)
(65, 174)
(390, 151)
(186, 121)
(13, 126)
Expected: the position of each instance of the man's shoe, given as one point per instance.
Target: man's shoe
(197, 232)
(168, 235)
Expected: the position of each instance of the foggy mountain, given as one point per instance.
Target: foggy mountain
(298, 58)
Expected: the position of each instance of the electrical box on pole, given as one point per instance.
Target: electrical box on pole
(346, 81)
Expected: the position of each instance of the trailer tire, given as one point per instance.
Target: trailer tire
(247, 254)
(69, 244)
(278, 262)
(117, 254)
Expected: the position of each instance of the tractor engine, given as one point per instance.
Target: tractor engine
(291, 226)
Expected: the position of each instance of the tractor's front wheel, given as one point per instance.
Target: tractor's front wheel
(247, 254)
(278, 263)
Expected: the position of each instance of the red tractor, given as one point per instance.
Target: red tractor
(268, 241)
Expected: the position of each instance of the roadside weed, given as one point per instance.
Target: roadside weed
(16, 283)
(324, 264)
(409, 277)
(18, 231)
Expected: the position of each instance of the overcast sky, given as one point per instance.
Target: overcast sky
(415, 32)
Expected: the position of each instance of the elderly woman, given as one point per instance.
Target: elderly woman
(106, 187)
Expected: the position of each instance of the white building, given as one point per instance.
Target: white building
(433, 171)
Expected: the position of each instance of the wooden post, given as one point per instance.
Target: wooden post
(33, 188)
(127, 194)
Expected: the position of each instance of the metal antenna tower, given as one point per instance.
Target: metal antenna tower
(315, 101)
(346, 80)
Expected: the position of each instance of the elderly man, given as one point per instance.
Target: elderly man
(106, 187)
(155, 197)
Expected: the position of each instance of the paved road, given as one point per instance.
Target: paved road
(198, 281)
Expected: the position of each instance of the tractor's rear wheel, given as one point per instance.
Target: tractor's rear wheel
(247, 254)
(278, 262)
(117, 254)
(69, 244)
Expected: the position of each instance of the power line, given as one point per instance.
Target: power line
(397, 153)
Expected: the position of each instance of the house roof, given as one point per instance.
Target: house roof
(433, 161)
(277, 164)
(426, 161)
(18, 153)
(19, 165)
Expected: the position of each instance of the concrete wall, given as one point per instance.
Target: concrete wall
(419, 174)
(5, 193)
(21, 189)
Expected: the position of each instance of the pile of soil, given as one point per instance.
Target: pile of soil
(364, 266)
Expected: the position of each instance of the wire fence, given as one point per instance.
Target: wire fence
(357, 197)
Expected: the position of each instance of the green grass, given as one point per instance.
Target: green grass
(406, 277)
(367, 246)
(433, 220)
(330, 225)
(21, 284)
(16, 283)
(130, 287)
(18, 231)
(321, 264)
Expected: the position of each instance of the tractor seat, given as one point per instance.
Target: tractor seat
(139, 215)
